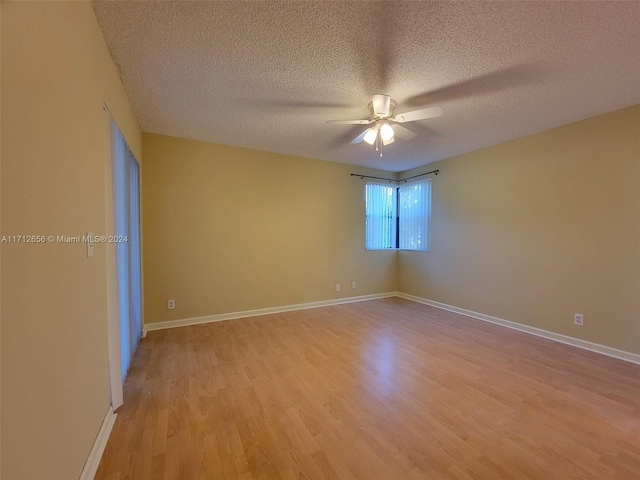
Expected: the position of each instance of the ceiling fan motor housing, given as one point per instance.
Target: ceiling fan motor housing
(381, 106)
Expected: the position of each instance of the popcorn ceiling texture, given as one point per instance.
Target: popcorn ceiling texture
(268, 75)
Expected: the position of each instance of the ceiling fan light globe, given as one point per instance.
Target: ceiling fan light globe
(370, 136)
(386, 132)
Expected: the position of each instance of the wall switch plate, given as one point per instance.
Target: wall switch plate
(171, 304)
(353, 284)
(337, 287)
(578, 319)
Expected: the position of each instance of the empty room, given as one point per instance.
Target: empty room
(319, 240)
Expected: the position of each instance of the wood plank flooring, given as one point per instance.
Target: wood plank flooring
(386, 389)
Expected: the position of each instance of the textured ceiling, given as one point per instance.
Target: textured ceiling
(268, 75)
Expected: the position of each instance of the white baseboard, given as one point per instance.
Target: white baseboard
(261, 311)
(95, 455)
(557, 337)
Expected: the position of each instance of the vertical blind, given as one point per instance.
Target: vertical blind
(126, 189)
(413, 213)
(398, 217)
(135, 267)
(380, 216)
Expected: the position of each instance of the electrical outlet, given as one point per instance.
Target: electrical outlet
(337, 287)
(578, 319)
(353, 284)
(171, 304)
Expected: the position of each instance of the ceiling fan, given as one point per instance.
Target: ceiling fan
(385, 126)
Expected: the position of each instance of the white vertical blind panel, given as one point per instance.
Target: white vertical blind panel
(414, 208)
(380, 216)
(133, 243)
(120, 184)
(126, 184)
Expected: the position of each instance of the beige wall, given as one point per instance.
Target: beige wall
(229, 229)
(56, 74)
(539, 228)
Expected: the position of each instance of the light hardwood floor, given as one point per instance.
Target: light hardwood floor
(386, 389)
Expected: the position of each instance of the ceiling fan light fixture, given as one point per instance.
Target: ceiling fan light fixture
(385, 124)
(370, 136)
(386, 133)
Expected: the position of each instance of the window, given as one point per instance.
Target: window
(413, 215)
(398, 217)
(381, 213)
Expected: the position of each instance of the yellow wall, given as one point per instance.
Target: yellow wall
(539, 228)
(56, 74)
(228, 229)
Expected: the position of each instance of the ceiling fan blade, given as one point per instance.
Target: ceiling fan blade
(403, 132)
(359, 138)
(381, 105)
(350, 122)
(422, 114)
